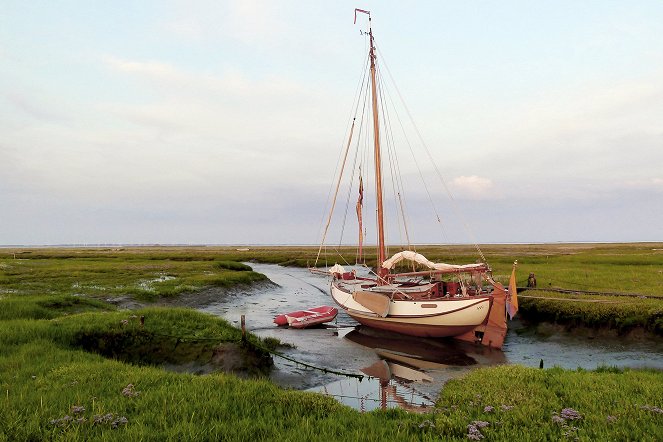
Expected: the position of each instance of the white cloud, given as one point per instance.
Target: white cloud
(655, 184)
(245, 21)
(36, 108)
(473, 187)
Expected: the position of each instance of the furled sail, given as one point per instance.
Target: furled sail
(337, 268)
(421, 259)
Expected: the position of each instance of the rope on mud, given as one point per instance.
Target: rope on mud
(195, 338)
(260, 347)
(589, 292)
(602, 301)
(388, 401)
(305, 364)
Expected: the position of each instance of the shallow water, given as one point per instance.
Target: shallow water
(405, 372)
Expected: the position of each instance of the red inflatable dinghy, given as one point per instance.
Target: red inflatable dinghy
(307, 318)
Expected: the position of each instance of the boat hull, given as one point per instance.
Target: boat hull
(413, 329)
(424, 318)
(307, 318)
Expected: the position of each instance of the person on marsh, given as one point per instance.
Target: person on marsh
(531, 281)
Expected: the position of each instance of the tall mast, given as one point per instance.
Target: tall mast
(378, 160)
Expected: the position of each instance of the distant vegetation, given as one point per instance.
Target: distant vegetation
(107, 273)
(150, 273)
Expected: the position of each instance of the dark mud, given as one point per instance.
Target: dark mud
(140, 347)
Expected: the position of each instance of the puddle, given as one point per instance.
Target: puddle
(404, 371)
(148, 284)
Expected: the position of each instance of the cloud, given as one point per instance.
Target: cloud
(651, 184)
(151, 69)
(473, 187)
(171, 80)
(35, 108)
(244, 21)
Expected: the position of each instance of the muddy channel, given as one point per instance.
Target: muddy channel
(401, 371)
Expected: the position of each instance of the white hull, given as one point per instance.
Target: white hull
(435, 318)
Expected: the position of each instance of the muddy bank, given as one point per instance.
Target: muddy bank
(142, 347)
(198, 299)
(546, 328)
(213, 295)
(172, 353)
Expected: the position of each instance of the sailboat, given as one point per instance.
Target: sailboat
(434, 299)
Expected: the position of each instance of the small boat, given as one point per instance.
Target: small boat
(307, 318)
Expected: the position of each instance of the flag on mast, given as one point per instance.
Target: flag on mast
(360, 202)
(512, 301)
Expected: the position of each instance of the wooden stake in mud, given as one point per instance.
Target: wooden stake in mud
(243, 324)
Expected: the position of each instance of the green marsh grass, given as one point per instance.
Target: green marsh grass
(48, 307)
(107, 274)
(519, 403)
(619, 313)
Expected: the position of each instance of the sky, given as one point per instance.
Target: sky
(221, 122)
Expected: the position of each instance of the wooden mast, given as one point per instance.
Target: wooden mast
(378, 161)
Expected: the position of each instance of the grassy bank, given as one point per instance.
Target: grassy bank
(521, 403)
(54, 392)
(73, 367)
(53, 388)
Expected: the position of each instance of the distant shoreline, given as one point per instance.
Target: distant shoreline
(87, 245)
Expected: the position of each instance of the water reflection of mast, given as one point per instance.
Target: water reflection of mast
(382, 370)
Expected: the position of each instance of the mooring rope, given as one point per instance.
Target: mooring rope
(305, 364)
(388, 401)
(265, 349)
(589, 292)
(603, 301)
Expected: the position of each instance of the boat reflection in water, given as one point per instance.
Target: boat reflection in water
(408, 372)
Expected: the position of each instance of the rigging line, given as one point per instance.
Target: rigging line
(391, 153)
(437, 170)
(358, 149)
(340, 255)
(355, 105)
(308, 283)
(423, 180)
(396, 171)
(368, 170)
(352, 179)
(414, 157)
(425, 184)
(340, 176)
(384, 134)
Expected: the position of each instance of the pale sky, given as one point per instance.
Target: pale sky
(220, 122)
